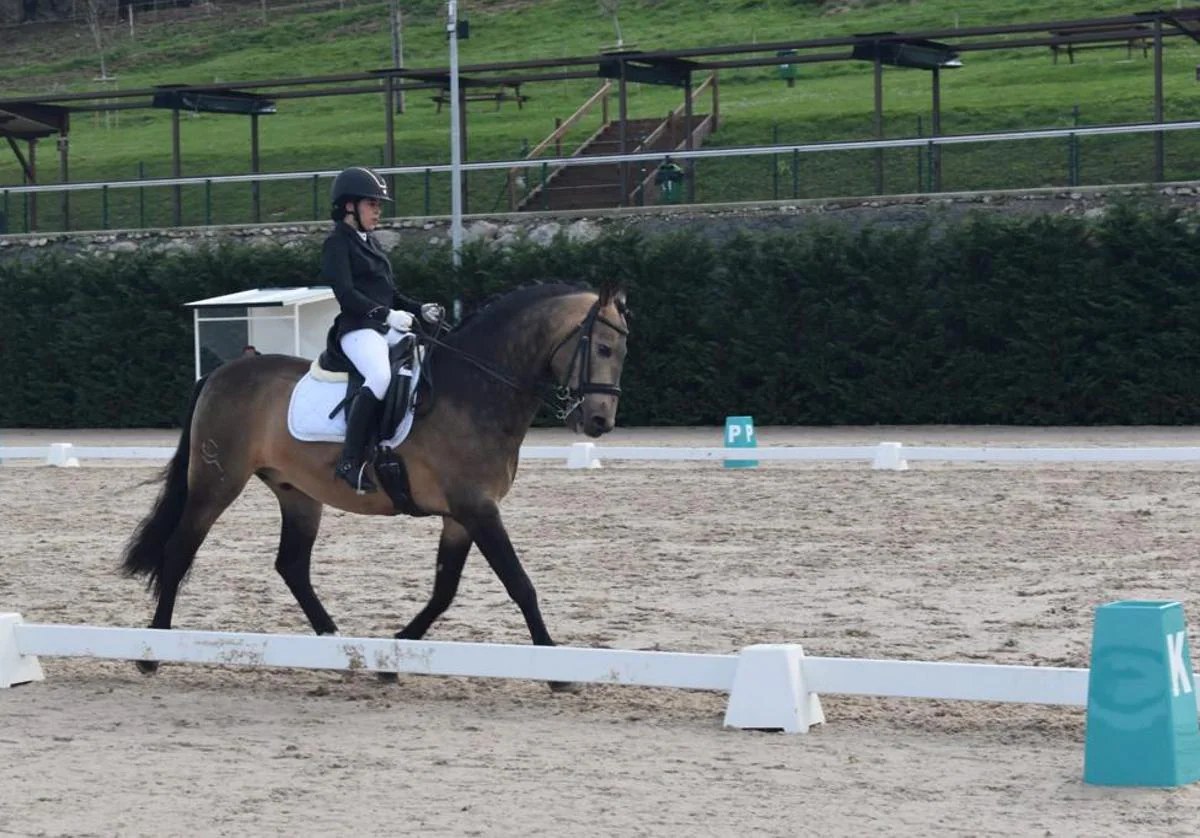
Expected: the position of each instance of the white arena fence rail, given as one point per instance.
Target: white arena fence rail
(637, 157)
(770, 686)
(884, 455)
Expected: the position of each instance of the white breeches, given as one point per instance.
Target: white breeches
(368, 350)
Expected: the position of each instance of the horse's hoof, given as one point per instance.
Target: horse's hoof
(146, 667)
(388, 677)
(566, 687)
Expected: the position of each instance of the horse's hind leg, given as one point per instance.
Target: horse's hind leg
(301, 521)
(205, 503)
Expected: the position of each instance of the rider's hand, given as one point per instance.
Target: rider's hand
(433, 313)
(399, 320)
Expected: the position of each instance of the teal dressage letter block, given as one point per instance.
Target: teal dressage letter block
(1142, 727)
(739, 433)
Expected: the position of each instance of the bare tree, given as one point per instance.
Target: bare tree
(611, 7)
(94, 14)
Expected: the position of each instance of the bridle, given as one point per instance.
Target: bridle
(569, 397)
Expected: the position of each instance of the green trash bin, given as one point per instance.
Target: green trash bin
(788, 71)
(669, 180)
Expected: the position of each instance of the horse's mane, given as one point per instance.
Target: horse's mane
(484, 333)
(499, 309)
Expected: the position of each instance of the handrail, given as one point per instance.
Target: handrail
(678, 112)
(570, 121)
(558, 133)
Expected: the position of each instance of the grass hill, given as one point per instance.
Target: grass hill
(1016, 88)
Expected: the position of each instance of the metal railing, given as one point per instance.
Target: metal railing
(546, 164)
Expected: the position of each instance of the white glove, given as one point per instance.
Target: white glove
(399, 320)
(432, 313)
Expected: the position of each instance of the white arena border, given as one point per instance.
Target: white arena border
(885, 455)
(770, 687)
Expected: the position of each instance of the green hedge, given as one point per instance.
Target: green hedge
(1037, 320)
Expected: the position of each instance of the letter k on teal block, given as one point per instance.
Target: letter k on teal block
(1142, 725)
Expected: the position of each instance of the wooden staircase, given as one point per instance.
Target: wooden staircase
(600, 185)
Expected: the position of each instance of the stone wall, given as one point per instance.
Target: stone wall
(717, 221)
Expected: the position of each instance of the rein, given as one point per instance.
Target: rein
(569, 398)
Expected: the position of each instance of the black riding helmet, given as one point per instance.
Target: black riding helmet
(356, 183)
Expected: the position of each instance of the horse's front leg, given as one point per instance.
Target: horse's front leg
(487, 531)
(452, 553)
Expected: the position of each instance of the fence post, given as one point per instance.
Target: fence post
(920, 156)
(795, 173)
(1074, 146)
(208, 203)
(104, 207)
(775, 162)
(65, 177)
(316, 188)
(428, 192)
(141, 195)
(545, 197)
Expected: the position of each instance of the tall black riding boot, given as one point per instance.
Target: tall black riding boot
(361, 417)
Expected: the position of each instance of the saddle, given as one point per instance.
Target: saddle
(333, 365)
(396, 415)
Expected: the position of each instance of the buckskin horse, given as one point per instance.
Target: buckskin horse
(460, 456)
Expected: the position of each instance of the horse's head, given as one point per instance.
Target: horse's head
(588, 363)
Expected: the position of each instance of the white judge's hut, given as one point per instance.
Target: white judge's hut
(288, 321)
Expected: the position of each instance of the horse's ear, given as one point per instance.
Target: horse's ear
(612, 292)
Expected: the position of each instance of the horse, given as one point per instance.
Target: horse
(484, 386)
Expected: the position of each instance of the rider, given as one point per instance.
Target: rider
(361, 275)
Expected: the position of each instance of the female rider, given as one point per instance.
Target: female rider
(361, 276)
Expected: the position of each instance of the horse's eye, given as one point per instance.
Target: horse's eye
(604, 350)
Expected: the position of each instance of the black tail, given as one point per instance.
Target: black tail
(144, 554)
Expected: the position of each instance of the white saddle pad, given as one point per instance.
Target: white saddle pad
(316, 395)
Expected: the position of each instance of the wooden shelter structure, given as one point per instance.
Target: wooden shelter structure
(30, 122)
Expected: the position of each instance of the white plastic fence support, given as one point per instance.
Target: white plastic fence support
(769, 691)
(59, 454)
(582, 455)
(889, 456)
(15, 668)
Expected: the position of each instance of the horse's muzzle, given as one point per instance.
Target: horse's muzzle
(597, 425)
